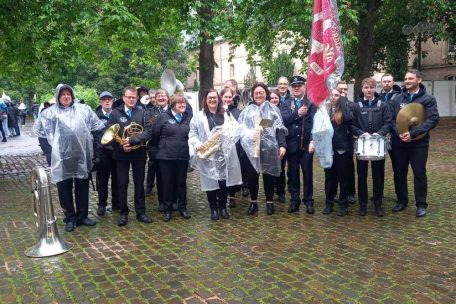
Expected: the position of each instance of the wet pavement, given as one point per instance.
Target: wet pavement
(282, 258)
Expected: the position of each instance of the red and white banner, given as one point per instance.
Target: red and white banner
(326, 59)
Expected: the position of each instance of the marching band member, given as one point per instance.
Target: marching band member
(279, 182)
(74, 131)
(107, 165)
(371, 116)
(341, 119)
(298, 113)
(214, 129)
(125, 114)
(263, 140)
(414, 152)
(171, 135)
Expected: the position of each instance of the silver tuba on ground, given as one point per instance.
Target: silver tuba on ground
(49, 241)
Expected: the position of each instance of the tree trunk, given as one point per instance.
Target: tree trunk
(365, 54)
(206, 66)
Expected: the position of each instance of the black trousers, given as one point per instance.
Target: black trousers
(417, 158)
(378, 180)
(279, 181)
(81, 196)
(218, 198)
(351, 174)
(107, 169)
(337, 175)
(174, 178)
(46, 148)
(123, 168)
(253, 182)
(300, 160)
(151, 171)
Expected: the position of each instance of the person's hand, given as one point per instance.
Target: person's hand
(405, 137)
(311, 147)
(282, 152)
(125, 141)
(302, 110)
(127, 148)
(96, 164)
(200, 147)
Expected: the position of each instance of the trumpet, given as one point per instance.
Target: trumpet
(112, 133)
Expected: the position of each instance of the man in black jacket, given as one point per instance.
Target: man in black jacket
(389, 90)
(412, 147)
(371, 117)
(298, 116)
(126, 154)
(106, 165)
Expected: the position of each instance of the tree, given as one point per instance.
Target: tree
(250, 79)
(282, 65)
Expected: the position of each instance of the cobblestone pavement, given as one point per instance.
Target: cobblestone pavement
(282, 258)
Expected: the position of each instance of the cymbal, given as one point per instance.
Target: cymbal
(409, 117)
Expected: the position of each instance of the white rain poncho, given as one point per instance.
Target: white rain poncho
(222, 164)
(68, 131)
(268, 161)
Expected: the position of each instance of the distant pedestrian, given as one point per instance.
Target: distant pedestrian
(22, 112)
(35, 110)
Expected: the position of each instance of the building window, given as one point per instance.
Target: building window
(451, 48)
(231, 70)
(232, 50)
(451, 77)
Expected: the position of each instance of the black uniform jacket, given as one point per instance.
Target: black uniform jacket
(172, 136)
(430, 122)
(138, 116)
(105, 121)
(342, 138)
(395, 91)
(294, 123)
(371, 119)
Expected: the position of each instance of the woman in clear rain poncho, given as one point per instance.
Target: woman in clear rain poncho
(213, 135)
(263, 139)
(74, 132)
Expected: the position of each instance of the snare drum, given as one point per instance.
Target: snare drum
(370, 147)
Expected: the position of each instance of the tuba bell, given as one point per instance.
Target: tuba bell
(169, 82)
(49, 241)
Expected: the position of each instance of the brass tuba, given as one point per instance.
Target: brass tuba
(49, 241)
(169, 82)
(112, 133)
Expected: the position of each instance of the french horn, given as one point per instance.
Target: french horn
(112, 133)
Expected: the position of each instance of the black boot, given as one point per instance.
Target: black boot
(329, 208)
(343, 208)
(222, 210)
(253, 208)
(294, 207)
(232, 202)
(269, 208)
(362, 210)
(214, 214)
(379, 210)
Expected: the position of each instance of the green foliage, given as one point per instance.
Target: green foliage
(250, 79)
(282, 65)
(89, 95)
(195, 86)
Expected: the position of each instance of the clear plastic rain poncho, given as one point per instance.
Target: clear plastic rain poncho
(223, 164)
(68, 131)
(263, 154)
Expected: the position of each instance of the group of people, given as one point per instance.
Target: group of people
(12, 115)
(231, 147)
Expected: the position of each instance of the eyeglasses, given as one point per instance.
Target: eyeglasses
(260, 93)
(212, 98)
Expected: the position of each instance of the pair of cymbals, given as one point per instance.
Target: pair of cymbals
(409, 117)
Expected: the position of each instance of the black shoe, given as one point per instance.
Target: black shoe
(224, 213)
(167, 216)
(294, 207)
(232, 203)
(328, 209)
(399, 207)
(70, 226)
(310, 209)
(101, 210)
(379, 211)
(4, 140)
(143, 218)
(252, 209)
(214, 214)
(282, 198)
(161, 207)
(86, 222)
(362, 211)
(184, 214)
(123, 220)
(342, 211)
(175, 207)
(245, 192)
(269, 208)
(351, 199)
(148, 190)
(421, 211)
